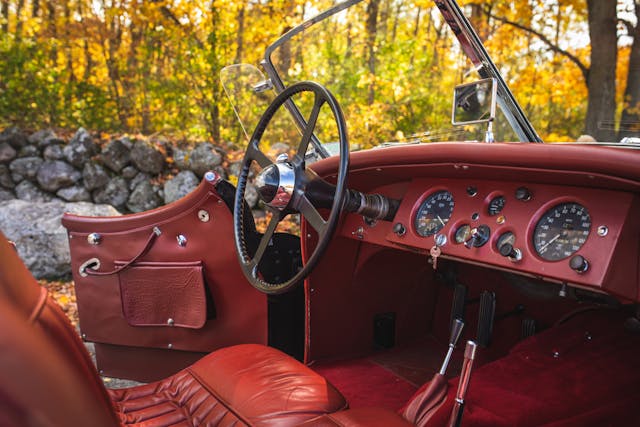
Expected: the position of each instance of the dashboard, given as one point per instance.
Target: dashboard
(565, 234)
(559, 214)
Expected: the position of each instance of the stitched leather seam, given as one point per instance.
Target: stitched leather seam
(217, 396)
(37, 310)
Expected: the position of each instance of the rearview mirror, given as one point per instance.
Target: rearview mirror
(474, 102)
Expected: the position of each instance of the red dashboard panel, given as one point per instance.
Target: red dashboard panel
(608, 210)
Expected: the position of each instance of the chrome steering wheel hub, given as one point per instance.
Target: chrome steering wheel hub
(276, 183)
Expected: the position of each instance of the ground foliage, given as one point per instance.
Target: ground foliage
(64, 294)
(153, 67)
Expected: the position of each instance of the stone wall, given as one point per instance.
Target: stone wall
(132, 175)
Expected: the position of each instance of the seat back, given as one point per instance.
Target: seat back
(45, 371)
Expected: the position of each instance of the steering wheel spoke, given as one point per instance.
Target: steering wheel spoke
(311, 126)
(266, 239)
(312, 215)
(254, 153)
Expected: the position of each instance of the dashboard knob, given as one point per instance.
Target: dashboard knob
(399, 229)
(507, 250)
(523, 194)
(479, 236)
(579, 264)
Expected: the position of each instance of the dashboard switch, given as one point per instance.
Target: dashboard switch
(399, 229)
(579, 264)
(479, 236)
(507, 250)
(523, 194)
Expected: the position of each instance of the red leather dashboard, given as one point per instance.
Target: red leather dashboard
(604, 180)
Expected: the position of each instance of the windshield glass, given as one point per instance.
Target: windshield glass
(393, 66)
(394, 77)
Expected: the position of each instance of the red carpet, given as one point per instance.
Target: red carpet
(363, 383)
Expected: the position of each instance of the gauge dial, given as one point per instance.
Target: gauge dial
(561, 231)
(496, 205)
(463, 233)
(434, 213)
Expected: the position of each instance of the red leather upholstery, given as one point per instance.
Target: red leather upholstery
(47, 378)
(244, 384)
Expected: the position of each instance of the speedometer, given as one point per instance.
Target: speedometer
(561, 231)
(434, 213)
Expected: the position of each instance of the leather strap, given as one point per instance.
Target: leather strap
(152, 238)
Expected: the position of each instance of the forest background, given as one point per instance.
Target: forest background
(152, 67)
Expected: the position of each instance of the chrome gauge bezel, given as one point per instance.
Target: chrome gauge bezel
(553, 242)
(426, 207)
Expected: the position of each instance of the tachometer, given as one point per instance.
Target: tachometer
(561, 231)
(434, 213)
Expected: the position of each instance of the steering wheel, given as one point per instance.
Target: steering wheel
(288, 186)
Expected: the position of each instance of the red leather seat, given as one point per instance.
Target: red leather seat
(47, 377)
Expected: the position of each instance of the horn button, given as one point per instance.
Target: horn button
(276, 183)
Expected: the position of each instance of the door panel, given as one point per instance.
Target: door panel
(235, 311)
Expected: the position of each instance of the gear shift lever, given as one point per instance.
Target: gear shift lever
(456, 331)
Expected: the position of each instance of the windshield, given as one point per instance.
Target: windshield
(395, 80)
(394, 65)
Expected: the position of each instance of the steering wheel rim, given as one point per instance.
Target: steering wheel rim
(297, 201)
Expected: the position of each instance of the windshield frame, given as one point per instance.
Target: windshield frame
(471, 46)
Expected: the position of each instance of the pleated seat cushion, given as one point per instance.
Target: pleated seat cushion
(241, 385)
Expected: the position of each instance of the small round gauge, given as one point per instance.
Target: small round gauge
(496, 205)
(561, 231)
(463, 233)
(434, 213)
(506, 237)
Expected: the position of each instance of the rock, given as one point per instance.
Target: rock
(146, 158)
(235, 168)
(53, 152)
(143, 198)
(203, 158)
(181, 185)
(76, 193)
(220, 171)
(14, 137)
(40, 239)
(115, 193)
(56, 174)
(26, 190)
(7, 152)
(116, 155)
(5, 177)
(141, 176)
(251, 195)
(127, 142)
(80, 149)
(181, 158)
(129, 172)
(6, 195)
(94, 176)
(29, 151)
(25, 168)
(44, 138)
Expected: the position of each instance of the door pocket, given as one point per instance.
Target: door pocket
(170, 294)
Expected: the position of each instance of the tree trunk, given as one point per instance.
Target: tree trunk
(372, 31)
(601, 80)
(53, 30)
(4, 15)
(630, 120)
(239, 37)
(19, 23)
